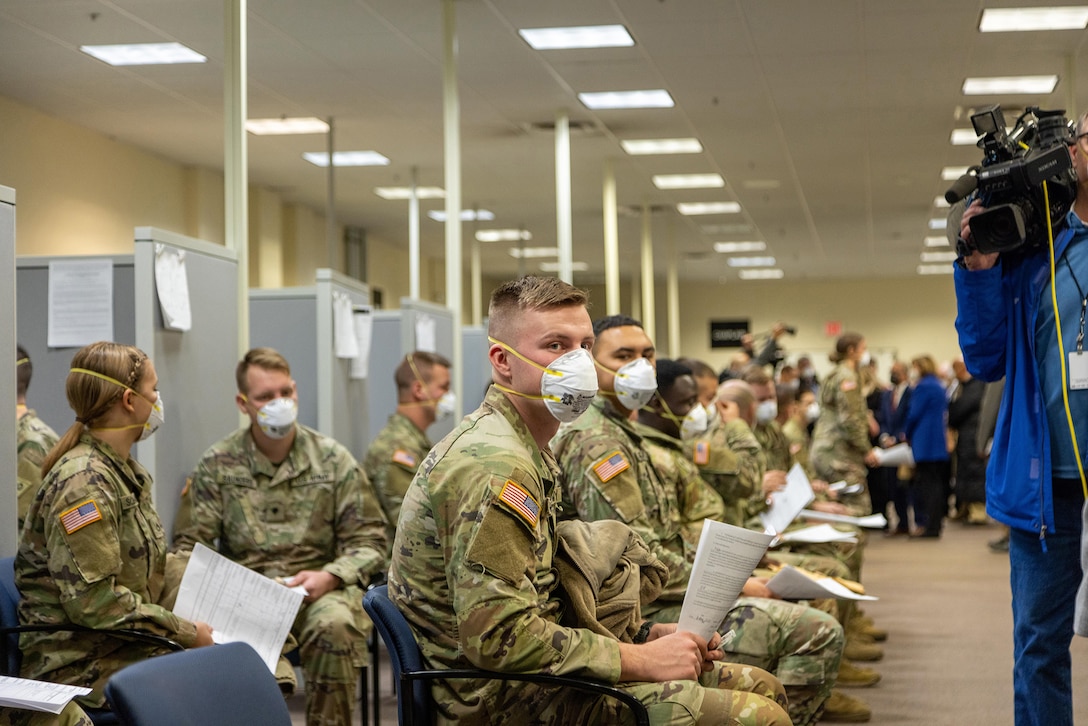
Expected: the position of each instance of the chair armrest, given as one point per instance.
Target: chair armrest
(642, 718)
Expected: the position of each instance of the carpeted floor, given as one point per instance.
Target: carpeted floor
(948, 659)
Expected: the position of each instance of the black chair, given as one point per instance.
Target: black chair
(11, 656)
(414, 703)
(220, 685)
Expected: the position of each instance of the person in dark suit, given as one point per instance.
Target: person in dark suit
(892, 416)
(964, 408)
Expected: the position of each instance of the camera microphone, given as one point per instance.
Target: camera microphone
(962, 186)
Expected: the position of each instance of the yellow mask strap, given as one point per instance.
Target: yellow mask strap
(114, 381)
(21, 361)
(516, 354)
(512, 392)
(415, 372)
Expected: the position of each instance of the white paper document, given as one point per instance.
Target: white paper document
(239, 604)
(818, 534)
(787, 502)
(343, 326)
(364, 333)
(426, 334)
(872, 521)
(723, 563)
(37, 695)
(172, 285)
(897, 455)
(791, 584)
(80, 302)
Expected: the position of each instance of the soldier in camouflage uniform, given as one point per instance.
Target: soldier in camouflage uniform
(34, 437)
(93, 552)
(423, 395)
(473, 561)
(288, 502)
(840, 443)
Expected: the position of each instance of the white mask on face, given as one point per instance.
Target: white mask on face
(694, 423)
(766, 411)
(712, 414)
(812, 412)
(635, 383)
(865, 359)
(277, 417)
(445, 406)
(567, 385)
(154, 420)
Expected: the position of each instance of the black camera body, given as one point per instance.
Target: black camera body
(1010, 180)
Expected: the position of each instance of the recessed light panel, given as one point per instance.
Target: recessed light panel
(586, 36)
(750, 261)
(938, 223)
(1003, 20)
(554, 266)
(935, 241)
(688, 181)
(467, 215)
(935, 269)
(939, 256)
(143, 54)
(406, 192)
(769, 274)
(606, 100)
(952, 173)
(690, 208)
(533, 252)
(503, 235)
(284, 126)
(727, 247)
(1001, 85)
(640, 147)
(346, 158)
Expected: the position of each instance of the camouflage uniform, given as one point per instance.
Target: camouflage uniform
(315, 510)
(731, 460)
(35, 439)
(658, 492)
(799, 441)
(391, 462)
(72, 715)
(775, 445)
(93, 553)
(841, 438)
(473, 571)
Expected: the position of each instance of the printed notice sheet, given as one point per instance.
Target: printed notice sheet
(364, 333)
(172, 285)
(238, 603)
(792, 584)
(80, 302)
(426, 334)
(788, 501)
(818, 534)
(897, 455)
(343, 326)
(723, 563)
(37, 695)
(872, 521)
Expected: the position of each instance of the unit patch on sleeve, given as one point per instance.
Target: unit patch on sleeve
(523, 503)
(400, 456)
(610, 467)
(80, 516)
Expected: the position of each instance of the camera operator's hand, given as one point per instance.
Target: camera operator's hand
(976, 260)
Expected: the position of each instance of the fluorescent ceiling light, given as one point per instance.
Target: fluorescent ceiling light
(940, 202)
(935, 269)
(533, 252)
(734, 228)
(586, 36)
(935, 241)
(750, 261)
(708, 207)
(769, 274)
(554, 266)
(963, 137)
(282, 126)
(604, 100)
(688, 181)
(503, 235)
(143, 54)
(1001, 20)
(939, 256)
(346, 158)
(467, 215)
(938, 223)
(638, 147)
(727, 247)
(1001, 85)
(952, 173)
(406, 192)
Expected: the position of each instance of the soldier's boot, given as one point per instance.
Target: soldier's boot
(842, 708)
(863, 624)
(861, 647)
(854, 676)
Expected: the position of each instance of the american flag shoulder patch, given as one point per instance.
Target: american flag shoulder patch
(80, 516)
(521, 500)
(611, 466)
(701, 454)
(849, 385)
(400, 456)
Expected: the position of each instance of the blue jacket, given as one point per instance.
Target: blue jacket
(927, 421)
(996, 313)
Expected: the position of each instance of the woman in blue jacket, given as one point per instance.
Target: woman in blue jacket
(926, 429)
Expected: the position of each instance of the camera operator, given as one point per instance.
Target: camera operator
(770, 354)
(1007, 327)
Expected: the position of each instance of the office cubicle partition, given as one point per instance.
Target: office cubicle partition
(9, 534)
(195, 367)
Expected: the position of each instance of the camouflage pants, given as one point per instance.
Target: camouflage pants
(72, 715)
(802, 646)
(332, 636)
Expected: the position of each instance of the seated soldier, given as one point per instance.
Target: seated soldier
(288, 502)
(33, 436)
(473, 566)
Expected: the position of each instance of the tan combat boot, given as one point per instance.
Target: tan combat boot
(861, 647)
(841, 708)
(854, 676)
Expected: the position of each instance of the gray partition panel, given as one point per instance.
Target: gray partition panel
(444, 330)
(385, 356)
(9, 533)
(476, 376)
(287, 321)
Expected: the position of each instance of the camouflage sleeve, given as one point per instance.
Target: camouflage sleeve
(698, 501)
(86, 559)
(391, 487)
(853, 418)
(200, 513)
(360, 529)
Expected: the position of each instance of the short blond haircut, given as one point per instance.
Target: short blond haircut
(512, 298)
(268, 359)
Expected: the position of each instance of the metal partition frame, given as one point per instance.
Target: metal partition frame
(9, 533)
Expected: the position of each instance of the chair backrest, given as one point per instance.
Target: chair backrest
(219, 685)
(404, 653)
(9, 618)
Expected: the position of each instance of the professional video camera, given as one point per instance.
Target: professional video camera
(1009, 182)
